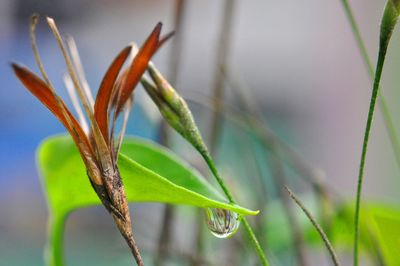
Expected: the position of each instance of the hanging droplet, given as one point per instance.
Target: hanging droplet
(222, 223)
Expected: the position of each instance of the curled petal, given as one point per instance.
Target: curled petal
(139, 64)
(41, 90)
(104, 95)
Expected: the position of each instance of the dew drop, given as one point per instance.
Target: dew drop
(222, 223)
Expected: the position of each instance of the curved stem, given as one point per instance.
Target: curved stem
(317, 227)
(178, 115)
(363, 155)
(280, 179)
(383, 107)
(388, 23)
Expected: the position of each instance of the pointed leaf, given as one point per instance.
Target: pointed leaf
(150, 173)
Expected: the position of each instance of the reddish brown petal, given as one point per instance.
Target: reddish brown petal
(139, 64)
(40, 89)
(104, 94)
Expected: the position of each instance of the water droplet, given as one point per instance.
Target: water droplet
(222, 223)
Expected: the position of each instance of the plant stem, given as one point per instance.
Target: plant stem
(134, 249)
(255, 242)
(165, 234)
(357, 35)
(306, 170)
(213, 168)
(363, 155)
(254, 122)
(248, 102)
(53, 254)
(393, 136)
(227, 193)
(218, 89)
(174, 62)
(388, 23)
(176, 48)
(317, 227)
(248, 143)
(199, 237)
(280, 178)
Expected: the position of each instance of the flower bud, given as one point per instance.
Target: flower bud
(173, 108)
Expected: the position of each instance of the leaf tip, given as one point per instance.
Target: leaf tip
(49, 19)
(158, 27)
(35, 18)
(18, 69)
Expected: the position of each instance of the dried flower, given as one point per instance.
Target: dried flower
(95, 141)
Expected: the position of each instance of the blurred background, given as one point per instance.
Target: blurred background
(294, 65)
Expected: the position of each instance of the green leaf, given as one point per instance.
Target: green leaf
(379, 231)
(387, 222)
(150, 173)
(396, 4)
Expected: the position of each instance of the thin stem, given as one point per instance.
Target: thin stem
(178, 253)
(280, 178)
(388, 23)
(255, 242)
(186, 127)
(357, 35)
(306, 170)
(218, 89)
(199, 237)
(33, 24)
(254, 120)
(76, 61)
(70, 67)
(326, 207)
(174, 62)
(165, 234)
(317, 227)
(103, 151)
(134, 249)
(127, 109)
(363, 155)
(214, 171)
(248, 102)
(69, 85)
(383, 107)
(177, 41)
(247, 144)
(228, 194)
